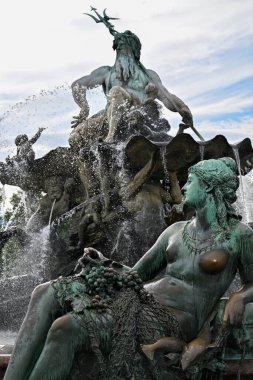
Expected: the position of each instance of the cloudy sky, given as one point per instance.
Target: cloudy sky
(201, 49)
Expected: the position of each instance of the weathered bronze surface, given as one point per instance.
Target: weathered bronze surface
(137, 312)
(209, 248)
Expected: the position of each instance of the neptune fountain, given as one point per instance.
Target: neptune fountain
(141, 240)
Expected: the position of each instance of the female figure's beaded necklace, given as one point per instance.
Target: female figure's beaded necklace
(193, 244)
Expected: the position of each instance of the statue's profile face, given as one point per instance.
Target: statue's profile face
(194, 191)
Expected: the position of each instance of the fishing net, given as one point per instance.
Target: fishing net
(103, 298)
(139, 320)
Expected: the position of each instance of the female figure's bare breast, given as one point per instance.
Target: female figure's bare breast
(190, 277)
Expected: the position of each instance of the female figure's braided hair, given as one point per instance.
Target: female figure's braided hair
(221, 174)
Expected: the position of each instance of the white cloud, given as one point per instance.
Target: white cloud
(45, 35)
(232, 104)
(234, 130)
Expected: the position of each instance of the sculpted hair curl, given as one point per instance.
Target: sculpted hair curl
(131, 40)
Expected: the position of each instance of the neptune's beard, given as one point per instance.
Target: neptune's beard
(124, 67)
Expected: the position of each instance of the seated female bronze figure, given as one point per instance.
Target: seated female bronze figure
(200, 258)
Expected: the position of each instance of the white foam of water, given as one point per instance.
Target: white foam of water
(121, 173)
(21, 203)
(31, 218)
(202, 151)
(33, 258)
(241, 189)
(51, 213)
(248, 195)
(7, 337)
(53, 109)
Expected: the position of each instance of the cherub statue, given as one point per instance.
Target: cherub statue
(25, 153)
(58, 200)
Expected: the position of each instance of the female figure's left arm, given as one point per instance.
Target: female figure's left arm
(155, 259)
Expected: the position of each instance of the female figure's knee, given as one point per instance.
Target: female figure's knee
(63, 328)
(40, 291)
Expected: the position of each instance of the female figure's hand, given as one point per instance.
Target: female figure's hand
(90, 256)
(234, 310)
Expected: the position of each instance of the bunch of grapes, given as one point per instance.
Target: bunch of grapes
(103, 283)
